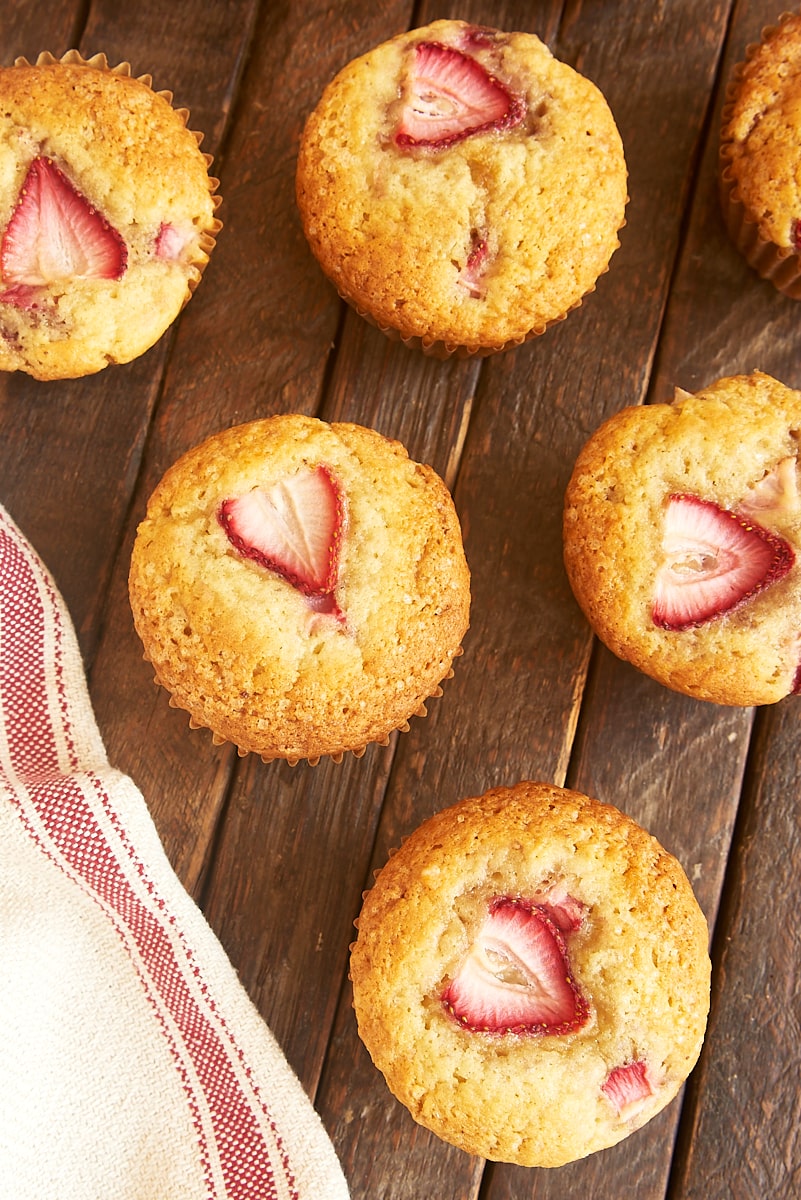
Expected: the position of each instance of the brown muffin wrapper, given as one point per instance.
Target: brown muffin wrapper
(442, 350)
(99, 62)
(780, 265)
(445, 350)
(292, 760)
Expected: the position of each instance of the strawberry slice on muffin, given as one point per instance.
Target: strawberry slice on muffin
(55, 234)
(448, 95)
(293, 529)
(516, 977)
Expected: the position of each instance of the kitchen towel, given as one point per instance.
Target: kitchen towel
(133, 1065)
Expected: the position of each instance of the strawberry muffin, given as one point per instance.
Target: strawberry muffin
(300, 588)
(682, 529)
(531, 975)
(106, 215)
(461, 187)
(760, 168)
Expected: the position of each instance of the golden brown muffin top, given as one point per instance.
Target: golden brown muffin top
(760, 131)
(248, 653)
(479, 240)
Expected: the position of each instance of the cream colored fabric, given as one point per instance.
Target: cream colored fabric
(133, 1065)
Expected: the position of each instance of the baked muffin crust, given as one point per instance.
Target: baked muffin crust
(733, 446)
(247, 653)
(638, 955)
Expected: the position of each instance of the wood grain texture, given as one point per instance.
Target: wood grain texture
(527, 651)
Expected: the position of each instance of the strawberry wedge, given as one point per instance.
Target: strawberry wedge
(516, 977)
(55, 234)
(294, 529)
(448, 95)
(713, 561)
(471, 277)
(627, 1088)
(776, 492)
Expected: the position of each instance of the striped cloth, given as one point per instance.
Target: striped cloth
(133, 1066)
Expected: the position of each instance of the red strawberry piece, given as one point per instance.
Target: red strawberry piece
(776, 491)
(471, 276)
(516, 977)
(293, 529)
(795, 690)
(448, 95)
(628, 1087)
(566, 912)
(795, 234)
(170, 243)
(714, 560)
(481, 36)
(54, 233)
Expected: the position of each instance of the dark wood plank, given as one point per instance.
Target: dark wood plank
(327, 828)
(256, 339)
(425, 404)
(740, 1133)
(184, 777)
(527, 652)
(674, 764)
(742, 1138)
(195, 51)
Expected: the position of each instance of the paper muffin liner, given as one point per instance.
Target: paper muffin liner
(780, 265)
(292, 760)
(443, 351)
(99, 62)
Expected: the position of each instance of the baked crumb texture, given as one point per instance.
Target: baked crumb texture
(759, 170)
(731, 449)
(637, 954)
(107, 213)
(248, 653)
(478, 241)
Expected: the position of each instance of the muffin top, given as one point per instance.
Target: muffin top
(300, 588)
(531, 975)
(461, 185)
(760, 129)
(682, 530)
(106, 213)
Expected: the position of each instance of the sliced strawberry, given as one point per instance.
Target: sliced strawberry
(54, 233)
(628, 1087)
(471, 276)
(516, 976)
(713, 561)
(294, 530)
(776, 491)
(24, 296)
(171, 242)
(795, 690)
(448, 95)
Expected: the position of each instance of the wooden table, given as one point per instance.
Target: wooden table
(278, 857)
